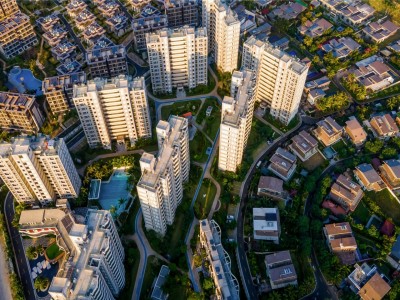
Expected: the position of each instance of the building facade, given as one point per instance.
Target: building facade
(142, 26)
(280, 78)
(20, 112)
(177, 58)
(38, 169)
(113, 109)
(182, 12)
(58, 91)
(8, 8)
(236, 119)
(107, 62)
(223, 30)
(160, 188)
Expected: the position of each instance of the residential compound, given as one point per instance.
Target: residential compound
(280, 78)
(107, 62)
(182, 12)
(58, 91)
(160, 188)
(177, 58)
(226, 284)
(280, 269)
(236, 119)
(145, 25)
(20, 112)
(266, 224)
(16, 34)
(7, 8)
(384, 126)
(328, 131)
(94, 267)
(223, 30)
(113, 109)
(38, 169)
(341, 241)
(346, 193)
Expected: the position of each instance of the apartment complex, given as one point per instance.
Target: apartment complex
(280, 78)
(160, 188)
(226, 284)
(113, 109)
(95, 265)
(16, 35)
(38, 169)
(236, 118)
(58, 90)
(8, 8)
(223, 30)
(107, 62)
(177, 58)
(182, 12)
(20, 112)
(145, 25)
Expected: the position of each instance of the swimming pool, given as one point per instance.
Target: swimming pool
(113, 190)
(23, 80)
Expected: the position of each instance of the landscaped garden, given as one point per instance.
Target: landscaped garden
(180, 108)
(205, 199)
(53, 251)
(198, 147)
(210, 123)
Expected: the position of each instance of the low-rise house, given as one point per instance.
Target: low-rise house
(158, 293)
(341, 241)
(355, 132)
(346, 193)
(108, 8)
(92, 33)
(321, 83)
(272, 187)
(283, 164)
(55, 35)
(328, 131)
(378, 32)
(75, 7)
(390, 172)
(353, 13)
(263, 3)
(304, 145)
(369, 178)
(287, 11)
(395, 46)
(282, 43)
(384, 126)
(280, 269)
(314, 95)
(64, 50)
(342, 47)
(368, 283)
(69, 67)
(46, 23)
(84, 19)
(117, 24)
(394, 256)
(247, 19)
(315, 28)
(266, 224)
(373, 73)
(262, 31)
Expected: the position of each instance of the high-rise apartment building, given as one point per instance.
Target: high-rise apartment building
(236, 119)
(16, 35)
(8, 8)
(38, 169)
(182, 12)
(113, 109)
(58, 90)
(20, 112)
(160, 188)
(142, 26)
(223, 29)
(107, 62)
(95, 268)
(280, 78)
(177, 58)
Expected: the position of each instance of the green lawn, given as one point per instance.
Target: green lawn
(198, 147)
(53, 251)
(131, 271)
(211, 123)
(205, 199)
(179, 108)
(279, 125)
(361, 214)
(202, 113)
(388, 204)
(152, 269)
(341, 148)
(260, 132)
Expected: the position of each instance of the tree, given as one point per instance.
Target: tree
(374, 147)
(31, 253)
(40, 249)
(41, 283)
(393, 102)
(388, 153)
(372, 231)
(333, 103)
(208, 284)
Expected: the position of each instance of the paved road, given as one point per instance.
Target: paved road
(5, 290)
(20, 258)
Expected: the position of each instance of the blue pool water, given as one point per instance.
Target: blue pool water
(23, 80)
(115, 189)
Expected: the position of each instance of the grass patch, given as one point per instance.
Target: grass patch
(202, 113)
(86, 153)
(205, 199)
(212, 125)
(179, 108)
(53, 251)
(276, 123)
(361, 214)
(314, 161)
(198, 147)
(202, 88)
(260, 133)
(389, 205)
(131, 269)
(128, 219)
(152, 269)
(342, 149)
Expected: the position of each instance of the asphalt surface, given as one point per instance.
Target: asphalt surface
(19, 253)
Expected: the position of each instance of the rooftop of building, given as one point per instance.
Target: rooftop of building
(265, 219)
(369, 173)
(334, 229)
(271, 183)
(61, 82)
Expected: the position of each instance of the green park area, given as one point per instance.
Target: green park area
(212, 122)
(180, 108)
(53, 251)
(198, 147)
(205, 199)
